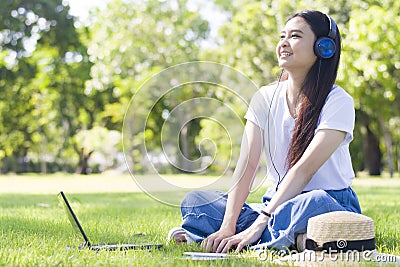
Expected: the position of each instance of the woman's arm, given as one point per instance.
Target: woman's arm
(243, 176)
(324, 143)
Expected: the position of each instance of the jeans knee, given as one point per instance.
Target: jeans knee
(322, 200)
(190, 198)
(319, 195)
(315, 199)
(198, 198)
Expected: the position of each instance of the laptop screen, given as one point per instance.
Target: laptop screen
(72, 217)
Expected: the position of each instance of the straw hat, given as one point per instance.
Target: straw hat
(340, 231)
(339, 238)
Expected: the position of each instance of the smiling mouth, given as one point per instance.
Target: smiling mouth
(286, 54)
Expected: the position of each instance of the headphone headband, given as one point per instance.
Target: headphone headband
(332, 27)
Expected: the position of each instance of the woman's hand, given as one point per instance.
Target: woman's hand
(211, 243)
(248, 237)
(222, 241)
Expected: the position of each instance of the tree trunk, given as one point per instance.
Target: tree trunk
(398, 162)
(83, 166)
(389, 146)
(184, 163)
(185, 146)
(128, 144)
(397, 153)
(372, 152)
(43, 163)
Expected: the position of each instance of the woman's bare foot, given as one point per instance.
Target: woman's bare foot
(301, 242)
(178, 235)
(179, 238)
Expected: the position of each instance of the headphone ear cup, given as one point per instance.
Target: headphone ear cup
(324, 47)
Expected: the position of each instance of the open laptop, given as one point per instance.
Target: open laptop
(87, 244)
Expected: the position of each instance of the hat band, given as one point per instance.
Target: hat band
(342, 245)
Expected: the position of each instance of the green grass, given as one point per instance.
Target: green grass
(34, 230)
(382, 204)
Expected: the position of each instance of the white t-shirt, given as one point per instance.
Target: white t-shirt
(337, 113)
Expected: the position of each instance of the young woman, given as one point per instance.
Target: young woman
(305, 123)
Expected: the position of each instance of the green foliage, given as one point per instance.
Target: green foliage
(57, 80)
(42, 73)
(105, 143)
(249, 41)
(127, 50)
(40, 21)
(371, 67)
(368, 44)
(150, 36)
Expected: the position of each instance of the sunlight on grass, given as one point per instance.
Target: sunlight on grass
(35, 231)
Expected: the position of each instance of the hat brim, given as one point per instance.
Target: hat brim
(318, 258)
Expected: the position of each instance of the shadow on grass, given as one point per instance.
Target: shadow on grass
(31, 220)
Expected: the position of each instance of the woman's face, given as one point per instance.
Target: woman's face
(295, 50)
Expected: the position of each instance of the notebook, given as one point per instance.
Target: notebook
(207, 256)
(87, 244)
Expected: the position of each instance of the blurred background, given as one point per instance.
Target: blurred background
(68, 70)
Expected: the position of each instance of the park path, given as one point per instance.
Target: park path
(111, 182)
(108, 182)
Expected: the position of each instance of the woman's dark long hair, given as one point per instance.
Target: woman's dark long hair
(315, 88)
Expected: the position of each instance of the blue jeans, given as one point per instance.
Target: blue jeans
(203, 212)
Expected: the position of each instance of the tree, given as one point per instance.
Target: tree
(127, 50)
(34, 39)
(97, 140)
(372, 76)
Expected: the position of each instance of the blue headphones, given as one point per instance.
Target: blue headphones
(325, 47)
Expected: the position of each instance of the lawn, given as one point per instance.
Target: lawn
(34, 230)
